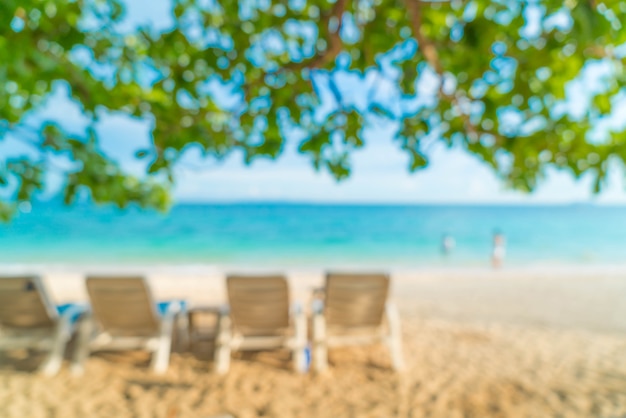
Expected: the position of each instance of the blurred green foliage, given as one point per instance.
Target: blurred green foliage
(498, 72)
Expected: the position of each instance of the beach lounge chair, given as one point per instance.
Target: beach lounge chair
(124, 316)
(28, 319)
(355, 310)
(260, 318)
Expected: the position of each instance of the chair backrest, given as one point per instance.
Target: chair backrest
(259, 305)
(24, 303)
(123, 306)
(355, 300)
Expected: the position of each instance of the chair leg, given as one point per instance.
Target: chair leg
(182, 331)
(161, 356)
(394, 340)
(53, 362)
(320, 353)
(222, 345)
(81, 352)
(300, 363)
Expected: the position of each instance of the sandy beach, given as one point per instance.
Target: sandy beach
(524, 342)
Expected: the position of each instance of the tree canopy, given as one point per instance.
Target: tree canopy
(496, 78)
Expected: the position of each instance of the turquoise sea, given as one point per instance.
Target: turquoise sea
(275, 234)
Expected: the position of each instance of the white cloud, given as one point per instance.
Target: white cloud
(379, 175)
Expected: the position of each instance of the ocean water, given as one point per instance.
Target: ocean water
(313, 235)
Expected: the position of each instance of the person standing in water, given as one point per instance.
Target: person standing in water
(499, 249)
(447, 244)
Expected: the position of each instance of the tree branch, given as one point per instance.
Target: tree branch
(333, 42)
(428, 48)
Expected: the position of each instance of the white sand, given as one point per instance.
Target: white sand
(530, 342)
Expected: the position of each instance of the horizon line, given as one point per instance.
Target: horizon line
(396, 203)
(241, 202)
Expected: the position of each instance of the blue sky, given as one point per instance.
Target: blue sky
(379, 175)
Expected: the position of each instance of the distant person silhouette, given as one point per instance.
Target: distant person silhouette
(499, 249)
(447, 244)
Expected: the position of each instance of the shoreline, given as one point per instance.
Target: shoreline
(183, 268)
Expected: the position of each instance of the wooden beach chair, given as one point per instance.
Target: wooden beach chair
(259, 318)
(355, 310)
(124, 316)
(28, 319)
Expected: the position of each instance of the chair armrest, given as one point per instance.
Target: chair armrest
(72, 312)
(171, 307)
